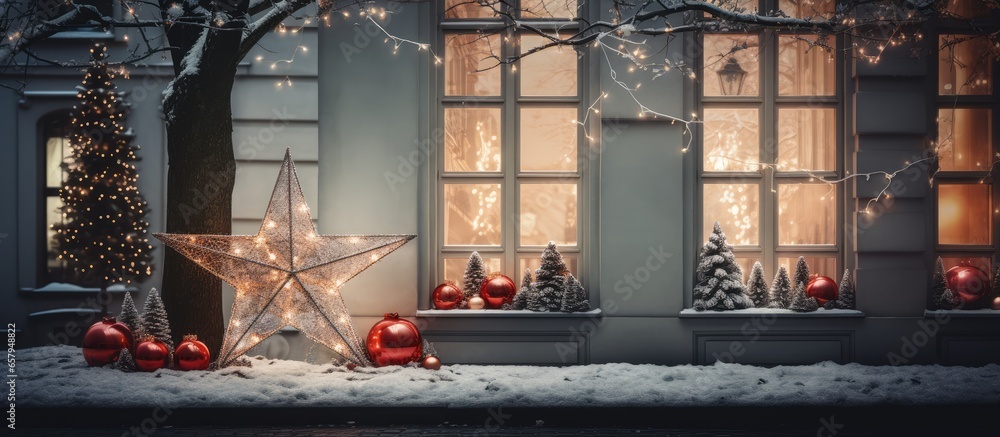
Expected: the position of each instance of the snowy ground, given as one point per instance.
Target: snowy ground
(58, 376)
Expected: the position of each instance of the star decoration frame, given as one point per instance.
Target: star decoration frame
(287, 274)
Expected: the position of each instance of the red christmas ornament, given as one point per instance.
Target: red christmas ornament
(970, 283)
(151, 354)
(192, 354)
(431, 363)
(104, 341)
(822, 288)
(447, 296)
(497, 290)
(394, 341)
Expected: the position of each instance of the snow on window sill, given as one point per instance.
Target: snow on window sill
(505, 314)
(985, 312)
(784, 313)
(59, 287)
(83, 34)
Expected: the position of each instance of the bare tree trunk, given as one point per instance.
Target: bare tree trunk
(200, 177)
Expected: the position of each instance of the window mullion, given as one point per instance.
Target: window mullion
(769, 147)
(512, 166)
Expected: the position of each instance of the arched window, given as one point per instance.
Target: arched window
(54, 151)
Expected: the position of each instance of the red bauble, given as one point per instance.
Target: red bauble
(497, 290)
(151, 354)
(104, 341)
(192, 354)
(447, 296)
(394, 341)
(822, 288)
(970, 283)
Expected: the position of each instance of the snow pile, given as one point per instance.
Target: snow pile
(58, 376)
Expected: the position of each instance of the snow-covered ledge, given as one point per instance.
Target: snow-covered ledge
(505, 313)
(776, 312)
(59, 287)
(985, 312)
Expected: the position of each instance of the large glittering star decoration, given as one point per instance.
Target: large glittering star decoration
(287, 274)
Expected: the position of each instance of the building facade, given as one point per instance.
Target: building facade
(424, 135)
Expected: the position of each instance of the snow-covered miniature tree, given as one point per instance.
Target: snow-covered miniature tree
(520, 301)
(801, 273)
(802, 302)
(130, 317)
(757, 286)
(102, 237)
(719, 279)
(155, 320)
(125, 361)
(550, 279)
(846, 295)
(428, 350)
(941, 298)
(475, 274)
(575, 297)
(781, 289)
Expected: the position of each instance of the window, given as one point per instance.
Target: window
(773, 98)
(55, 151)
(966, 203)
(508, 177)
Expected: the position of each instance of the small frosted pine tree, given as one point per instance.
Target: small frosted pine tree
(757, 286)
(846, 294)
(520, 301)
(801, 273)
(781, 289)
(575, 298)
(130, 317)
(719, 279)
(941, 297)
(550, 279)
(125, 361)
(428, 350)
(475, 274)
(802, 302)
(155, 320)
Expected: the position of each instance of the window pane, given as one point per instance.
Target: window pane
(736, 57)
(964, 139)
(472, 139)
(52, 217)
(964, 214)
(804, 68)
(533, 260)
(807, 139)
(454, 268)
(745, 261)
(57, 149)
(467, 9)
(549, 72)
(824, 265)
(964, 65)
(807, 214)
(982, 263)
(548, 213)
(967, 8)
(472, 214)
(548, 139)
(548, 8)
(464, 54)
(731, 139)
(735, 207)
(818, 9)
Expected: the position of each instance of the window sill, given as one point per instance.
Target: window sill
(62, 288)
(514, 314)
(821, 313)
(83, 34)
(985, 312)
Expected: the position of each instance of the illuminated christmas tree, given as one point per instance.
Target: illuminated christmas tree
(103, 234)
